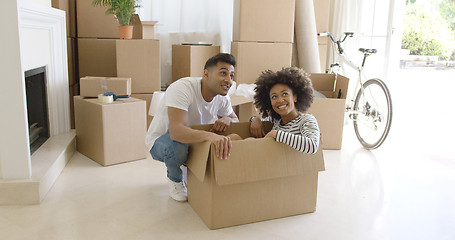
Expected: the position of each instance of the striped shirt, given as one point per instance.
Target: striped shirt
(302, 133)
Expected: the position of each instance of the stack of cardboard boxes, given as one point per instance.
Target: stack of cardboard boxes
(262, 40)
(262, 37)
(101, 52)
(109, 132)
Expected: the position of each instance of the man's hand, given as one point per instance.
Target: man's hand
(223, 145)
(272, 134)
(256, 129)
(221, 125)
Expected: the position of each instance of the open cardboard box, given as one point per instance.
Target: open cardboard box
(261, 179)
(329, 112)
(243, 107)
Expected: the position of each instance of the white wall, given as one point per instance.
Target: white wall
(14, 150)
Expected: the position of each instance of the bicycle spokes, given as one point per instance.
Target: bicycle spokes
(372, 113)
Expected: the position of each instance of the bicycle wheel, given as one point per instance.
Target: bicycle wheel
(372, 113)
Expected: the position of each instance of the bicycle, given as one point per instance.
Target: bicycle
(371, 108)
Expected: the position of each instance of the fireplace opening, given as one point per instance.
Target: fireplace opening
(37, 111)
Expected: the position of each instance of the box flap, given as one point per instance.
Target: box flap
(342, 84)
(326, 83)
(197, 159)
(261, 159)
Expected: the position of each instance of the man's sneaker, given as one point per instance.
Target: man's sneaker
(177, 190)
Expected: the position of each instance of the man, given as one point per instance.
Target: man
(193, 101)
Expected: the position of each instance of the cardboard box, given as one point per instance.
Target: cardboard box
(143, 29)
(189, 60)
(110, 133)
(264, 20)
(147, 97)
(140, 60)
(69, 6)
(73, 91)
(261, 179)
(253, 58)
(97, 57)
(243, 108)
(329, 112)
(93, 86)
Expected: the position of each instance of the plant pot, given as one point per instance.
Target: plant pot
(126, 32)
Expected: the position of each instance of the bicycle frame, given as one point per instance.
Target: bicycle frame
(359, 84)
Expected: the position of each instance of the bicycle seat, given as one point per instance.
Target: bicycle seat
(368, 51)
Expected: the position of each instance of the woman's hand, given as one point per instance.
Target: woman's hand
(256, 129)
(272, 134)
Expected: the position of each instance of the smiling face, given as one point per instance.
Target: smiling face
(220, 78)
(283, 101)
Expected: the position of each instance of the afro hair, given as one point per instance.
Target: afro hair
(297, 80)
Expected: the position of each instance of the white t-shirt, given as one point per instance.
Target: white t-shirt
(186, 94)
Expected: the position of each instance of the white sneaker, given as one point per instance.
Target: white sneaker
(177, 191)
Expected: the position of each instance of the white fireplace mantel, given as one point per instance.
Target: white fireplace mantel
(33, 36)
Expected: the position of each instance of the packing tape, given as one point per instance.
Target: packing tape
(105, 99)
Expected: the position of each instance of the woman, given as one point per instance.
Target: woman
(283, 98)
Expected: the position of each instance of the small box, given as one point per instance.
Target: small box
(143, 29)
(93, 86)
(261, 180)
(97, 57)
(329, 112)
(147, 97)
(253, 58)
(264, 20)
(140, 60)
(110, 133)
(243, 108)
(189, 60)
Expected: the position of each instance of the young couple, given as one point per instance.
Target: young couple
(282, 97)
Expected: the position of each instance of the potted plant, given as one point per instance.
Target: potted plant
(122, 10)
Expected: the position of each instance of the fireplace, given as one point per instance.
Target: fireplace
(37, 113)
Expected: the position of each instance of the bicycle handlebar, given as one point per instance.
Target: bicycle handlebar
(338, 42)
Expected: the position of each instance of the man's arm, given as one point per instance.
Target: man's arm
(223, 123)
(179, 131)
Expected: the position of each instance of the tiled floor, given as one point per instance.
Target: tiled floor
(403, 190)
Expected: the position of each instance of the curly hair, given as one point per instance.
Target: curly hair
(297, 80)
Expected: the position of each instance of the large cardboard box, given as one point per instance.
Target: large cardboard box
(329, 112)
(261, 179)
(264, 20)
(110, 133)
(253, 58)
(147, 97)
(69, 6)
(93, 86)
(72, 61)
(140, 60)
(97, 57)
(189, 60)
